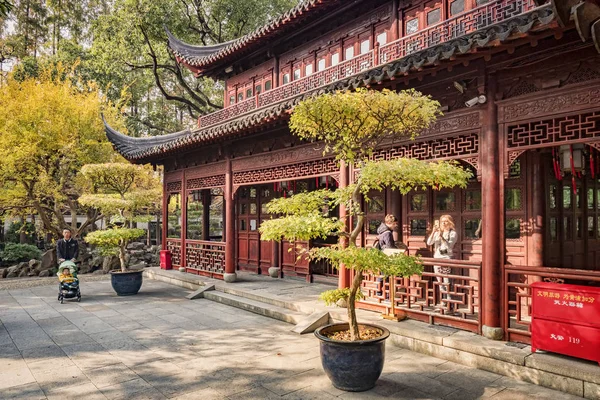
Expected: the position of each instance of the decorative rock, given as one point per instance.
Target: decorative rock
(35, 264)
(135, 246)
(96, 262)
(99, 272)
(110, 263)
(49, 259)
(4, 273)
(45, 273)
(11, 275)
(141, 265)
(137, 253)
(84, 268)
(274, 272)
(23, 273)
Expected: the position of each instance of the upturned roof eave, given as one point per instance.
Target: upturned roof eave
(178, 141)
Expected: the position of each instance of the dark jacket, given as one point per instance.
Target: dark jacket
(67, 249)
(386, 237)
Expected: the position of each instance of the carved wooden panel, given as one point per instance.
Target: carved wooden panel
(206, 182)
(205, 170)
(174, 187)
(562, 101)
(560, 130)
(456, 147)
(454, 123)
(173, 176)
(287, 172)
(278, 158)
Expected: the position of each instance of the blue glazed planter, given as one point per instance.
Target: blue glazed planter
(126, 283)
(352, 366)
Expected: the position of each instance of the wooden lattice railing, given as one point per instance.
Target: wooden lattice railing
(454, 302)
(442, 32)
(452, 28)
(205, 257)
(517, 294)
(174, 246)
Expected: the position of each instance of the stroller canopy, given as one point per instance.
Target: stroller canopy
(70, 265)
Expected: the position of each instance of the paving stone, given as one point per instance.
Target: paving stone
(110, 375)
(52, 378)
(14, 372)
(42, 353)
(30, 391)
(85, 391)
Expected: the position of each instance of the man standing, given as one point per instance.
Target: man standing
(67, 248)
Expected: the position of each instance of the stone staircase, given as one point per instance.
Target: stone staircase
(297, 302)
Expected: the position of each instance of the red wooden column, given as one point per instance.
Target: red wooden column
(164, 213)
(229, 275)
(536, 253)
(491, 210)
(343, 273)
(183, 262)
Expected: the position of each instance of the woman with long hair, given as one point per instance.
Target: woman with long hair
(443, 238)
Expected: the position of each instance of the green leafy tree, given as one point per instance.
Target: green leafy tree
(121, 190)
(164, 97)
(352, 125)
(5, 7)
(50, 128)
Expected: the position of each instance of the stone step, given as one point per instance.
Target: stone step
(252, 295)
(257, 307)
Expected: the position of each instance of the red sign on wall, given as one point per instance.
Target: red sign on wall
(566, 320)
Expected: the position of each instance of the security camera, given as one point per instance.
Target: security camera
(481, 99)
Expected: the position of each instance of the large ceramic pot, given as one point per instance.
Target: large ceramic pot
(126, 283)
(352, 366)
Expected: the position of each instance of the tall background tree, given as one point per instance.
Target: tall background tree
(50, 128)
(122, 45)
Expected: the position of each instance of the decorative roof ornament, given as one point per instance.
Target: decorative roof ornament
(201, 59)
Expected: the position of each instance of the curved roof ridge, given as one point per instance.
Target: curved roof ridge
(126, 145)
(202, 56)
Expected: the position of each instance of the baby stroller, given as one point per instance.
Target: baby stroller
(68, 287)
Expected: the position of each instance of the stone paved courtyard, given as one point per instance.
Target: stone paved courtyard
(159, 345)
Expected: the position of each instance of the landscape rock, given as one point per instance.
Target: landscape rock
(45, 273)
(49, 259)
(35, 264)
(137, 253)
(141, 265)
(110, 263)
(136, 246)
(84, 268)
(4, 273)
(11, 275)
(96, 262)
(24, 272)
(99, 272)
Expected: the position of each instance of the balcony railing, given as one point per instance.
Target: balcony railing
(205, 257)
(442, 32)
(447, 299)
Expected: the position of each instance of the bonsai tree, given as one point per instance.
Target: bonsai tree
(352, 125)
(121, 191)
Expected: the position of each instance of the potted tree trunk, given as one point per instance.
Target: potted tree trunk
(351, 125)
(123, 191)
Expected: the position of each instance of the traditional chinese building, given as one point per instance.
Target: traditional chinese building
(519, 85)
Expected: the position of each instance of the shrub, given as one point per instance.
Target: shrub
(13, 232)
(20, 252)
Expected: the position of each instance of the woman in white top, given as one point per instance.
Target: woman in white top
(443, 238)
